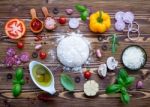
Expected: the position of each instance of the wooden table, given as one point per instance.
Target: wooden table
(20, 9)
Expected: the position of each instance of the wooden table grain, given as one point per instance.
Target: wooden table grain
(20, 9)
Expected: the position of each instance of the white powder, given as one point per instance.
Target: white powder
(73, 51)
(133, 57)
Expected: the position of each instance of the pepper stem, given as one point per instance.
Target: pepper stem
(100, 19)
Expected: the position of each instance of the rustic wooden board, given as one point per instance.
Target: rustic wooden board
(20, 8)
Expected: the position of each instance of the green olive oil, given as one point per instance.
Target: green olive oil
(42, 75)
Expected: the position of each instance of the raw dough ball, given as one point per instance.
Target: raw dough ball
(73, 51)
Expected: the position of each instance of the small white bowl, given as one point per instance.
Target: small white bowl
(51, 88)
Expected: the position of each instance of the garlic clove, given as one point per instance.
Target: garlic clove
(102, 70)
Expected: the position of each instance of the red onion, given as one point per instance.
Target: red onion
(119, 15)
(25, 57)
(128, 17)
(9, 61)
(10, 52)
(120, 25)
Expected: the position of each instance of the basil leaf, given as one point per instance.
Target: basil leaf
(129, 80)
(125, 98)
(16, 90)
(84, 15)
(120, 81)
(114, 88)
(123, 90)
(123, 74)
(80, 8)
(19, 73)
(22, 82)
(67, 82)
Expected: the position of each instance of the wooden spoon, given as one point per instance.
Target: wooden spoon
(49, 23)
(36, 25)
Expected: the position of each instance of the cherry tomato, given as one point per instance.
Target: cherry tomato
(42, 55)
(87, 74)
(20, 45)
(62, 20)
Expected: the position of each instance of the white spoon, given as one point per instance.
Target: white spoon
(50, 89)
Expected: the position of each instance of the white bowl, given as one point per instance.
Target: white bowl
(50, 89)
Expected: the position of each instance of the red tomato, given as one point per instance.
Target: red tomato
(42, 55)
(87, 74)
(20, 45)
(62, 20)
(15, 28)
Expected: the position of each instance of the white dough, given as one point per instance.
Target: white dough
(73, 51)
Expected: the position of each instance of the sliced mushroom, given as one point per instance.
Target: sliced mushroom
(112, 63)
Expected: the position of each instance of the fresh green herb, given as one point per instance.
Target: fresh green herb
(114, 43)
(18, 81)
(67, 82)
(84, 12)
(123, 81)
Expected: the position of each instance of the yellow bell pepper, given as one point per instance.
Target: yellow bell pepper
(99, 22)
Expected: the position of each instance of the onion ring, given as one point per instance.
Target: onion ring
(133, 31)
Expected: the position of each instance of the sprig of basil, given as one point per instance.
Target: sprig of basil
(123, 81)
(84, 12)
(18, 81)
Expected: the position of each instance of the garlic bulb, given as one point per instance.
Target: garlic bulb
(91, 88)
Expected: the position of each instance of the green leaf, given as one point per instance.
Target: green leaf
(80, 8)
(84, 15)
(114, 88)
(125, 98)
(120, 81)
(16, 90)
(15, 82)
(129, 80)
(19, 73)
(123, 90)
(123, 74)
(67, 82)
(22, 82)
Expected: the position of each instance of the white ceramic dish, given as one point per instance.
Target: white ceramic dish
(51, 88)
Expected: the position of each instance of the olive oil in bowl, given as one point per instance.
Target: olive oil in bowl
(41, 75)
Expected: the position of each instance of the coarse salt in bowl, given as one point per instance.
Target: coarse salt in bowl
(134, 57)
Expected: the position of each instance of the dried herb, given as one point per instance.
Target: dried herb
(123, 82)
(114, 43)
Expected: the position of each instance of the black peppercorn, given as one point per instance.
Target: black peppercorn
(77, 79)
(55, 10)
(104, 47)
(34, 55)
(9, 76)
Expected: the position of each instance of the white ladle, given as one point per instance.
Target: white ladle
(51, 88)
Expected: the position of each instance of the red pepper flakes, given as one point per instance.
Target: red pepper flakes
(38, 38)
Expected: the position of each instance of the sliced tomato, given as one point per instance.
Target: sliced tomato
(15, 28)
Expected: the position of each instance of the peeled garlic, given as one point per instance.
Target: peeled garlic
(102, 70)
